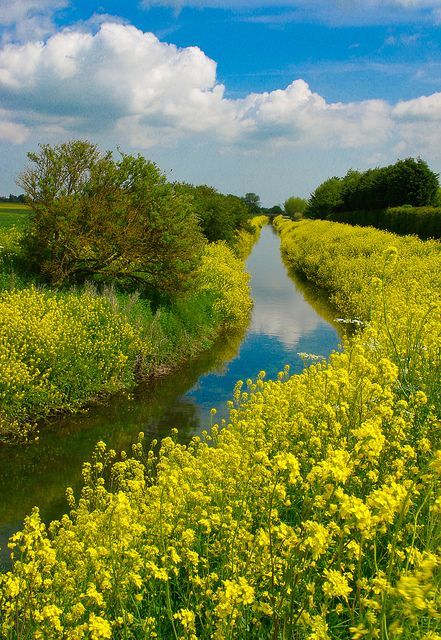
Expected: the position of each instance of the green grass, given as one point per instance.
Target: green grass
(13, 214)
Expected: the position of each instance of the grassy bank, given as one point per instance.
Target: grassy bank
(314, 516)
(62, 349)
(13, 214)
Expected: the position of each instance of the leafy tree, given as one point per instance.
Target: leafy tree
(411, 181)
(252, 201)
(325, 199)
(407, 181)
(295, 207)
(113, 221)
(273, 211)
(219, 215)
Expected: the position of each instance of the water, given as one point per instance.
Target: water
(289, 317)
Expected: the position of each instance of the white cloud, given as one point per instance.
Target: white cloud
(425, 108)
(419, 124)
(119, 76)
(124, 79)
(28, 18)
(10, 130)
(128, 86)
(298, 116)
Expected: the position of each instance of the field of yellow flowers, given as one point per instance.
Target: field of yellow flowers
(314, 514)
(60, 350)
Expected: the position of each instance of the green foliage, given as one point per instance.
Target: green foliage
(13, 199)
(219, 215)
(325, 199)
(424, 222)
(246, 238)
(275, 210)
(61, 349)
(252, 201)
(407, 181)
(118, 222)
(295, 207)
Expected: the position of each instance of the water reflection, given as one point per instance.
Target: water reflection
(283, 323)
(289, 317)
(38, 474)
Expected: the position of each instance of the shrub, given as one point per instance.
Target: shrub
(295, 207)
(118, 222)
(219, 215)
(422, 221)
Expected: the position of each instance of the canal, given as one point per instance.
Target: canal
(289, 318)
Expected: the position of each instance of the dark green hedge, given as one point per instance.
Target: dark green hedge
(424, 222)
(407, 182)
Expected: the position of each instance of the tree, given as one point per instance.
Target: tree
(411, 181)
(295, 207)
(59, 172)
(252, 201)
(325, 199)
(95, 218)
(275, 210)
(219, 215)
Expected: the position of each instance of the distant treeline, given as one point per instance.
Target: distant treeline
(13, 199)
(403, 197)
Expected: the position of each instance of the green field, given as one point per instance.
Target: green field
(13, 214)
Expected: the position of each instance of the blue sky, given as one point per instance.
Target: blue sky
(256, 96)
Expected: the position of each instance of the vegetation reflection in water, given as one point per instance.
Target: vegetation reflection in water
(289, 317)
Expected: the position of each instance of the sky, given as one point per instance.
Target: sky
(263, 96)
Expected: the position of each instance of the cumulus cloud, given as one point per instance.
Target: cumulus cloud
(118, 75)
(425, 108)
(129, 85)
(419, 123)
(297, 115)
(11, 131)
(25, 18)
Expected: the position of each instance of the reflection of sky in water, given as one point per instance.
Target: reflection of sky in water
(283, 324)
(279, 309)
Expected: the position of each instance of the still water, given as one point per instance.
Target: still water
(289, 317)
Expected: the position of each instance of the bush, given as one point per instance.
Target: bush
(119, 222)
(219, 215)
(63, 349)
(295, 207)
(424, 222)
(59, 351)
